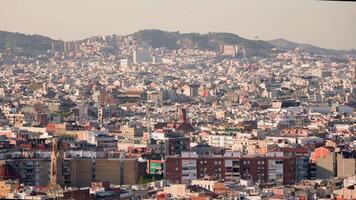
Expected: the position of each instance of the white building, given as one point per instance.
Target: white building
(223, 141)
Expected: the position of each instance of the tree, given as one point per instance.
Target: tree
(141, 180)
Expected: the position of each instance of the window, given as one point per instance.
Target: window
(279, 161)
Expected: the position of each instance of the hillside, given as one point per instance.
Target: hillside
(288, 45)
(29, 45)
(209, 41)
(33, 45)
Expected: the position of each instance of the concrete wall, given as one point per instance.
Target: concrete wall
(130, 169)
(325, 166)
(345, 166)
(80, 172)
(108, 170)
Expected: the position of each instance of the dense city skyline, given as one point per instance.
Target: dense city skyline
(177, 100)
(304, 21)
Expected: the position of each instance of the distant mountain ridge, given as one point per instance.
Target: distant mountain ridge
(209, 41)
(288, 45)
(29, 45)
(33, 45)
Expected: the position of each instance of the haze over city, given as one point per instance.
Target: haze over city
(322, 23)
(178, 99)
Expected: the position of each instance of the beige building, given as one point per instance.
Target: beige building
(345, 193)
(231, 50)
(79, 172)
(8, 186)
(16, 120)
(325, 166)
(53, 106)
(108, 170)
(250, 147)
(154, 96)
(180, 191)
(345, 166)
(130, 171)
(131, 132)
(116, 170)
(177, 190)
(333, 164)
(206, 184)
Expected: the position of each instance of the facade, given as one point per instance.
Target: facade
(83, 194)
(155, 167)
(190, 90)
(16, 120)
(325, 166)
(106, 143)
(229, 50)
(346, 164)
(169, 145)
(116, 170)
(131, 132)
(323, 162)
(154, 95)
(302, 160)
(33, 171)
(140, 56)
(108, 170)
(231, 167)
(78, 172)
(8, 186)
(223, 141)
(303, 168)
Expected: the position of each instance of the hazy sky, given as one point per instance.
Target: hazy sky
(322, 23)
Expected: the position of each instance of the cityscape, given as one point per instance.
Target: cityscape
(158, 114)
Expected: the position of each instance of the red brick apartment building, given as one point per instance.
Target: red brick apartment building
(231, 166)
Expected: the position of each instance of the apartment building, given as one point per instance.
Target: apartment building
(78, 172)
(231, 166)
